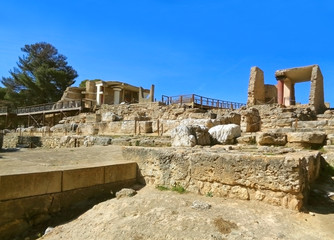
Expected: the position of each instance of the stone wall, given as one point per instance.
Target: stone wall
(278, 179)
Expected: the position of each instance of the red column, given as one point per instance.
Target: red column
(280, 92)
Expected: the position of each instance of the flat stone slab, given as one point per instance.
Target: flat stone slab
(46, 160)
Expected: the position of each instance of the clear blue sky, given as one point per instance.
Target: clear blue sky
(181, 46)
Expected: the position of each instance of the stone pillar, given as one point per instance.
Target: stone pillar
(99, 93)
(152, 93)
(256, 91)
(280, 91)
(292, 94)
(117, 95)
(287, 92)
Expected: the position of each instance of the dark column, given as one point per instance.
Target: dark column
(280, 92)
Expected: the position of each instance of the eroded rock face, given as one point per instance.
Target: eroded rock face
(225, 134)
(281, 180)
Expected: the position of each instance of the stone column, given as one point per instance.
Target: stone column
(287, 92)
(99, 93)
(117, 95)
(292, 94)
(280, 91)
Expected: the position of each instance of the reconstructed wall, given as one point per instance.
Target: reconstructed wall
(283, 179)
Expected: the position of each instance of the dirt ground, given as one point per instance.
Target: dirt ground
(155, 214)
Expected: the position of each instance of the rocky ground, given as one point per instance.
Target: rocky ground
(156, 214)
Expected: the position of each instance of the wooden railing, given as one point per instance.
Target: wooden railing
(200, 101)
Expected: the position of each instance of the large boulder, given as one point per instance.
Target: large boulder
(189, 136)
(225, 134)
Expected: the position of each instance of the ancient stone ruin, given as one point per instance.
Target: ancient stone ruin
(284, 92)
(271, 150)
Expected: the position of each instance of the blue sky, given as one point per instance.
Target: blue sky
(181, 46)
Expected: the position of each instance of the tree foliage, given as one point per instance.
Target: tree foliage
(41, 76)
(83, 82)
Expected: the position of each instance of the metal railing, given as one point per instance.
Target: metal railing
(49, 107)
(7, 110)
(200, 101)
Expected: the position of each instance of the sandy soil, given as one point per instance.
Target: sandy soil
(155, 214)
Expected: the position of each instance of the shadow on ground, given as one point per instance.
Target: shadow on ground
(321, 199)
(67, 215)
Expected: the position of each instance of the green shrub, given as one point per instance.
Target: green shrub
(162, 188)
(178, 188)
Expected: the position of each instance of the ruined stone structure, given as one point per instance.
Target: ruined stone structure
(284, 92)
(101, 92)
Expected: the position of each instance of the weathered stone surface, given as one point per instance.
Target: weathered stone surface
(125, 192)
(183, 136)
(250, 120)
(189, 136)
(271, 139)
(200, 205)
(282, 180)
(256, 92)
(229, 118)
(309, 124)
(306, 137)
(225, 134)
(249, 138)
(110, 117)
(98, 140)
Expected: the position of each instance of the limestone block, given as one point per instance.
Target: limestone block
(88, 129)
(281, 180)
(80, 178)
(250, 120)
(120, 172)
(23, 185)
(331, 123)
(110, 117)
(202, 135)
(183, 136)
(58, 128)
(225, 134)
(202, 122)
(271, 139)
(145, 127)
(247, 139)
(128, 127)
(256, 91)
(93, 118)
(309, 124)
(306, 137)
(230, 117)
(330, 138)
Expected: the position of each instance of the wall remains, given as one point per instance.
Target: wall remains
(280, 179)
(256, 89)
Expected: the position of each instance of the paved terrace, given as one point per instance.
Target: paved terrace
(47, 160)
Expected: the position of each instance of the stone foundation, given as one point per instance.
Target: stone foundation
(278, 179)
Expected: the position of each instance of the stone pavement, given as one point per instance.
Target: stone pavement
(44, 160)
